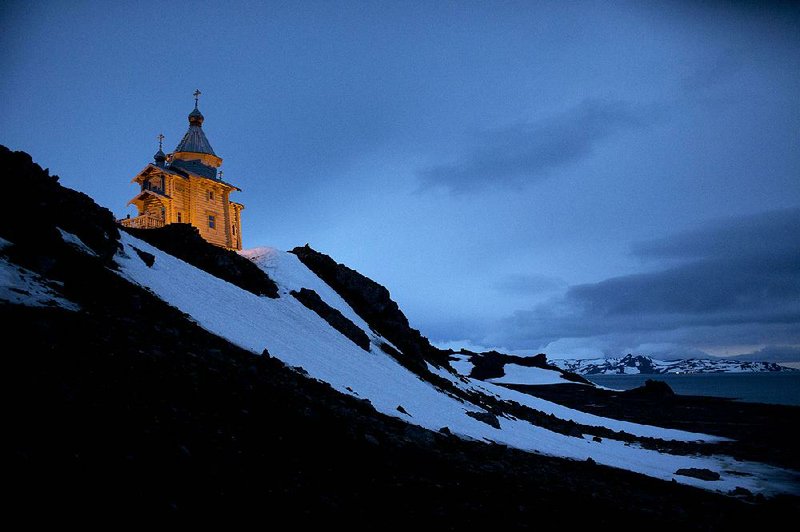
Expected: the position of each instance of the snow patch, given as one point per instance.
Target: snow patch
(73, 240)
(516, 374)
(21, 286)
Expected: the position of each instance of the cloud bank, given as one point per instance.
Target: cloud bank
(735, 282)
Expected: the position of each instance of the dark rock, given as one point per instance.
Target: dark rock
(702, 474)
(310, 299)
(739, 491)
(446, 430)
(590, 461)
(652, 389)
(598, 439)
(402, 410)
(31, 221)
(184, 242)
(490, 364)
(374, 304)
(148, 258)
(485, 417)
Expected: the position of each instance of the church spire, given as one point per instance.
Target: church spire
(196, 117)
(194, 145)
(160, 157)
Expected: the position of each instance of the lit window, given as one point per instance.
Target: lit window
(212, 223)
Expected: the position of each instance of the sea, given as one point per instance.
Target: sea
(764, 387)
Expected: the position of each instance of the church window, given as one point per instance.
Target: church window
(212, 222)
(180, 218)
(211, 195)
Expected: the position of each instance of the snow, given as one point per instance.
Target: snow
(516, 374)
(461, 364)
(298, 337)
(24, 287)
(563, 412)
(69, 238)
(294, 275)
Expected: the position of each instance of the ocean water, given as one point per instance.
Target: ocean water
(767, 387)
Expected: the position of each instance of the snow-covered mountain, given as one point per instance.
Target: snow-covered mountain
(329, 324)
(640, 364)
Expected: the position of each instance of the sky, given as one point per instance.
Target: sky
(576, 178)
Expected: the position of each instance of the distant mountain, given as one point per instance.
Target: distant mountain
(640, 364)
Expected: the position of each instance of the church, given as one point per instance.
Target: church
(186, 186)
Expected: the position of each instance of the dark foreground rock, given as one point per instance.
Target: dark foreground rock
(653, 389)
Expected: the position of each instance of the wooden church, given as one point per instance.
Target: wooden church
(186, 186)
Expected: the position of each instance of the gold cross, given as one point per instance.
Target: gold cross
(160, 138)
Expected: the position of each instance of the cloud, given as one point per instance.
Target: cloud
(737, 281)
(529, 284)
(772, 233)
(773, 353)
(723, 67)
(516, 155)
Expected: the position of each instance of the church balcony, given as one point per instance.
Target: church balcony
(142, 222)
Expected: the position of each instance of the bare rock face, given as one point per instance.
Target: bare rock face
(31, 220)
(375, 305)
(310, 299)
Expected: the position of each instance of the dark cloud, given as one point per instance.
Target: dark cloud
(770, 234)
(742, 276)
(518, 154)
(773, 353)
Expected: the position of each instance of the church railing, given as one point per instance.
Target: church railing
(142, 222)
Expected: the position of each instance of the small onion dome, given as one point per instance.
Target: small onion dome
(160, 157)
(196, 117)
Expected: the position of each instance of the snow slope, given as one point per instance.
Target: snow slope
(516, 374)
(298, 337)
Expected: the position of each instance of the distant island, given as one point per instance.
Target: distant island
(641, 364)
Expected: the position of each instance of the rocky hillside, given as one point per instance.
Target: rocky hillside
(161, 375)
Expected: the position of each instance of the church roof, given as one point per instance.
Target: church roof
(195, 140)
(195, 167)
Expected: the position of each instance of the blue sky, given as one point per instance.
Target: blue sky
(532, 176)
